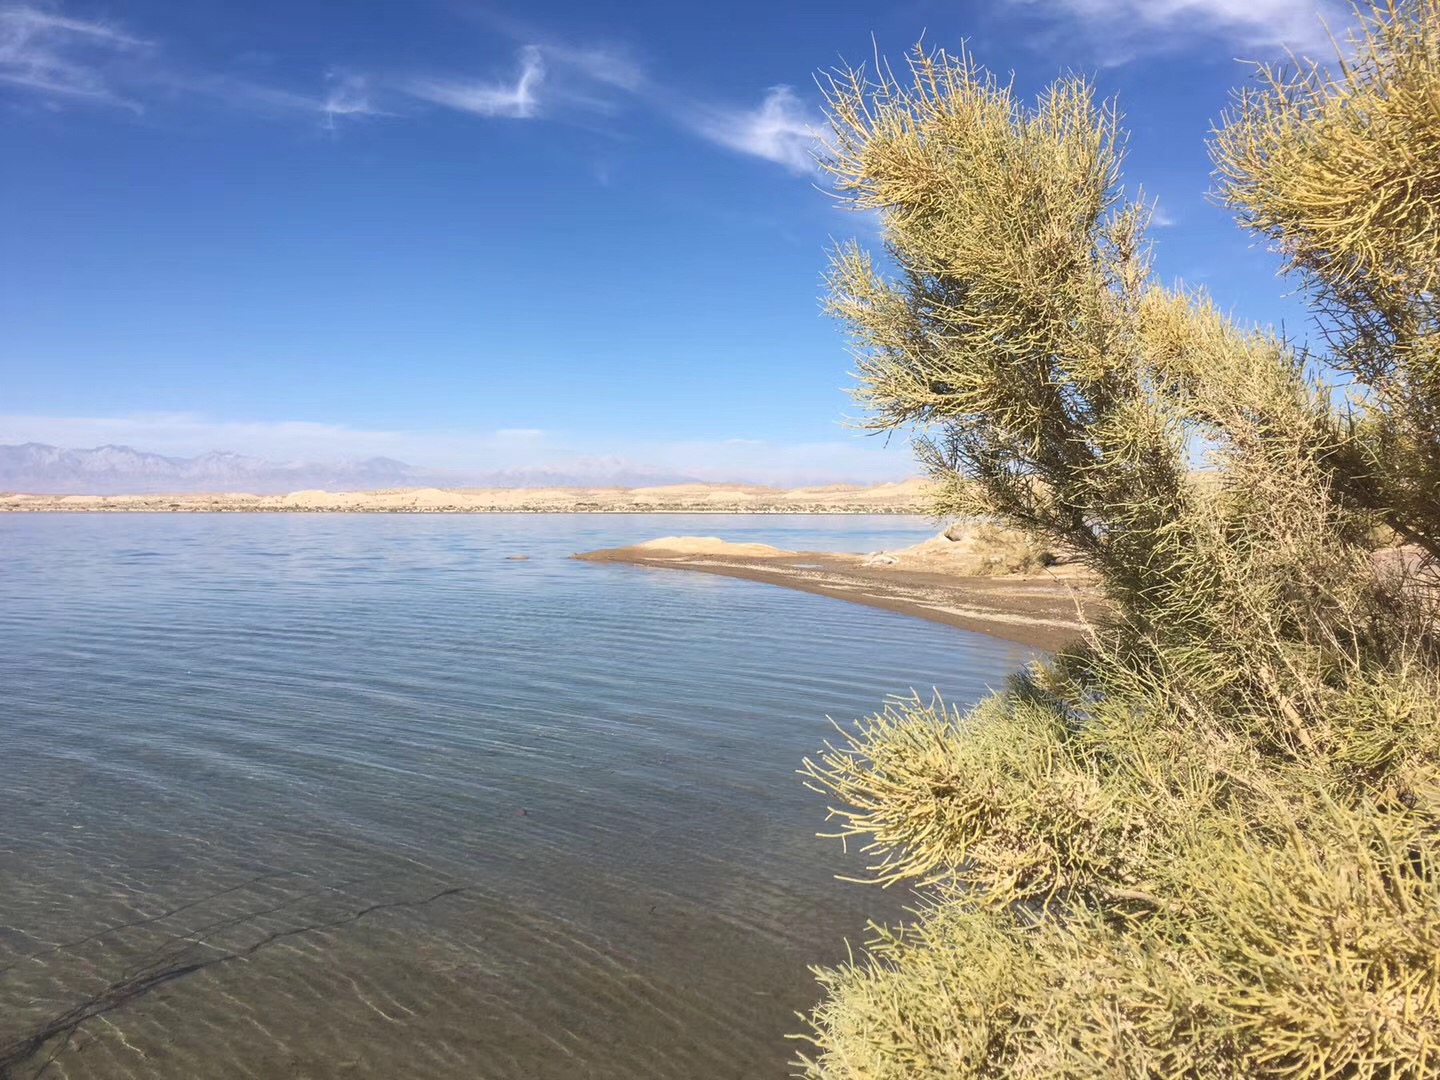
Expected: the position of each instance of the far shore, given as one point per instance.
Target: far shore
(1044, 609)
(947, 582)
(904, 497)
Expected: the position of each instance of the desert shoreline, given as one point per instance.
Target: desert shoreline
(905, 497)
(722, 511)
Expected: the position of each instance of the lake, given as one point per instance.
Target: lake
(361, 796)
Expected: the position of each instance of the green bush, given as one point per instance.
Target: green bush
(1204, 841)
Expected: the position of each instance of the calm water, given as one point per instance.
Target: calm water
(356, 796)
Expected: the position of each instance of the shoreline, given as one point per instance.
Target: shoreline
(724, 511)
(908, 497)
(1041, 610)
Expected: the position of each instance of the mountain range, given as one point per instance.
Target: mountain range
(122, 470)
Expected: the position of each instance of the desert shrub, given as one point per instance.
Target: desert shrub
(1202, 842)
(1009, 551)
(986, 548)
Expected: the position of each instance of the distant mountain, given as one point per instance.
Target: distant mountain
(121, 470)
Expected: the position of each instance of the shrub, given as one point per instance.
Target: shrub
(1203, 842)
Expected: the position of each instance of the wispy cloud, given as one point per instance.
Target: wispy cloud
(556, 81)
(52, 56)
(603, 65)
(1126, 27)
(782, 129)
(519, 100)
(341, 99)
(552, 81)
(347, 95)
(55, 56)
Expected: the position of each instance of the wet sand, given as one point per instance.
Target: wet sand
(1045, 609)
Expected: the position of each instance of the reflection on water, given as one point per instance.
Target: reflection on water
(351, 796)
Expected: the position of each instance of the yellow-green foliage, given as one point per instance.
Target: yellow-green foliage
(1204, 842)
(1136, 898)
(1340, 166)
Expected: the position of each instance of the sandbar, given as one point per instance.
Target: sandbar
(1045, 608)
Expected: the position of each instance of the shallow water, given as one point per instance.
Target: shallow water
(359, 796)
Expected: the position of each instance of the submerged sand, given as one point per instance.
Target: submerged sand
(942, 580)
(905, 497)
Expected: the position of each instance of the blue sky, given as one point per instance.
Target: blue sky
(479, 236)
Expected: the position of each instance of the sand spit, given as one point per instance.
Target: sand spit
(942, 579)
(907, 497)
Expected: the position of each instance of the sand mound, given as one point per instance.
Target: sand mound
(432, 497)
(707, 545)
(316, 500)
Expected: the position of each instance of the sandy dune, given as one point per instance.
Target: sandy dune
(905, 497)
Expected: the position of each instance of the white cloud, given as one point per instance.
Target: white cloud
(348, 95)
(781, 129)
(458, 452)
(343, 96)
(517, 101)
(599, 64)
(58, 57)
(54, 57)
(556, 80)
(1165, 25)
(553, 80)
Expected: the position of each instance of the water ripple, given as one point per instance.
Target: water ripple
(334, 796)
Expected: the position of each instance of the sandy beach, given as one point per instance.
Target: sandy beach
(905, 497)
(936, 580)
